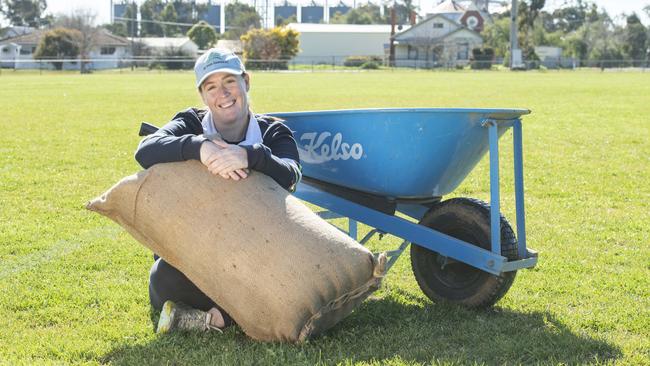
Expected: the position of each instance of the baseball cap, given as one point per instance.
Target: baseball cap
(217, 60)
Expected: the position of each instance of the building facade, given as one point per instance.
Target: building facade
(435, 42)
(108, 52)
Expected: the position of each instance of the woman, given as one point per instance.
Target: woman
(229, 140)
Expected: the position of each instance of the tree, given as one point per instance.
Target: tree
(364, 14)
(635, 39)
(131, 25)
(240, 18)
(58, 43)
(571, 17)
(150, 14)
(119, 29)
(169, 15)
(203, 34)
(23, 12)
(270, 49)
(281, 22)
(497, 36)
(83, 21)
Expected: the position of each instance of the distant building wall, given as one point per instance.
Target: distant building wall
(212, 16)
(311, 14)
(317, 47)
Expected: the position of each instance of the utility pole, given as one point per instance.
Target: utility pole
(515, 52)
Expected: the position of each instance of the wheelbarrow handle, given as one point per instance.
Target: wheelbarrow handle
(147, 129)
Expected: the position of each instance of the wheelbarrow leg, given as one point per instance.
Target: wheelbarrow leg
(519, 189)
(495, 210)
(395, 254)
(352, 229)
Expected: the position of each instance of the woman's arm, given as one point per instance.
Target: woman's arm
(178, 140)
(277, 156)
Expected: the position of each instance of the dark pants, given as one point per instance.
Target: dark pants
(168, 283)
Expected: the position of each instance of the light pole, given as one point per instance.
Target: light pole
(515, 52)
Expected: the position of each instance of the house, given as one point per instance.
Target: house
(332, 43)
(438, 40)
(159, 45)
(108, 52)
(469, 16)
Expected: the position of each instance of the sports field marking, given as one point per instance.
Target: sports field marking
(60, 249)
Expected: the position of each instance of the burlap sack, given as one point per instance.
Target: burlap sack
(279, 270)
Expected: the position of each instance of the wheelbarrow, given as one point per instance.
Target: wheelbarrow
(367, 165)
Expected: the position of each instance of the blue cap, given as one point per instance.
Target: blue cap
(217, 60)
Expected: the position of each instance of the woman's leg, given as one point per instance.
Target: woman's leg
(168, 283)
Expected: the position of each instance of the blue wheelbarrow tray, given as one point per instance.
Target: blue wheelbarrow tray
(409, 157)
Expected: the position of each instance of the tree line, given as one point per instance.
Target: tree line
(584, 32)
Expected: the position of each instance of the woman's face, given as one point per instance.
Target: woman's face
(225, 95)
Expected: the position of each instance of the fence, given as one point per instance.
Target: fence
(335, 63)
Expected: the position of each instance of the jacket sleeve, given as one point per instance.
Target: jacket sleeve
(277, 156)
(178, 140)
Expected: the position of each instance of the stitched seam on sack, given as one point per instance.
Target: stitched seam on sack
(337, 303)
(137, 196)
(132, 225)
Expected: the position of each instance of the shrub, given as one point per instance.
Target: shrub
(203, 35)
(370, 65)
(357, 61)
(172, 59)
(57, 44)
(482, 58)
(269, 49)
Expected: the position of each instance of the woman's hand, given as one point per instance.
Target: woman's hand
(224, 159)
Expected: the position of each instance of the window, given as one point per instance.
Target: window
(26, 50)
(107, 50)
(5, 50)
(438, 25)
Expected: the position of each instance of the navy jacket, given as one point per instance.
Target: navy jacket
(180, 140)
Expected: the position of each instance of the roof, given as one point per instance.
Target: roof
(426, 21)
(15, 31)
(232, 45)
(162, 42)
(448, 6)
(341, 28)
(30, 38)
(104, 38)
(400, 36)
(429, 41)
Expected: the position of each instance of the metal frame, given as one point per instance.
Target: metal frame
(487, 260)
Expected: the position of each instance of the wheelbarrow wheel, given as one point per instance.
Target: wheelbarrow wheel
(443, 279)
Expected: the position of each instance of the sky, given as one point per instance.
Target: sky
(102, 7)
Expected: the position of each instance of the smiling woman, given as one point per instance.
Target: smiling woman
(228, 139)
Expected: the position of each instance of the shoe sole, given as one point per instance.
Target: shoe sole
(166, 317)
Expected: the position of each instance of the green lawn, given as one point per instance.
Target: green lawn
(73, 285)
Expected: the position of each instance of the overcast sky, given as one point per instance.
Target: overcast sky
(102, 7)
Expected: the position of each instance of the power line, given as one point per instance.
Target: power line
(168, 23)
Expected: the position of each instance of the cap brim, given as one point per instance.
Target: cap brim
(227, 71)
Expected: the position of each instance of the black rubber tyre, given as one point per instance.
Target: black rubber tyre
(466, 219)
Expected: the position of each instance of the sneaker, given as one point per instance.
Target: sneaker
(182, 317)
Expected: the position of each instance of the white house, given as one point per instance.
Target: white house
(108, 52)
(332, 43)
(158, 45)
(436, 41)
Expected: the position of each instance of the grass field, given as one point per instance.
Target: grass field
(73, 285)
